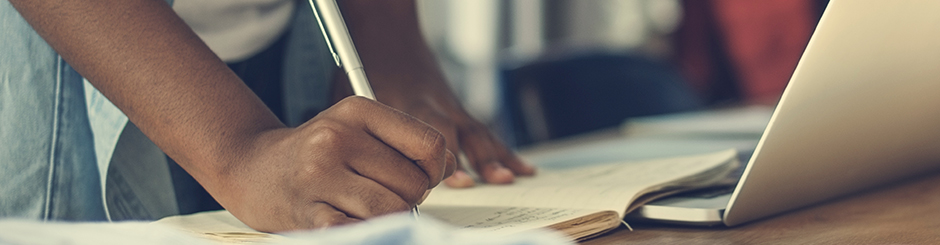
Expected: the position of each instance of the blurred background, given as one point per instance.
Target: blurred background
(536, 70)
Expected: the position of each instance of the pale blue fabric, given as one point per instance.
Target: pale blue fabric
(57, 134)
(107, 123)
(47, 157)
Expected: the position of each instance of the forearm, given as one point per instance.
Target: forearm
(389, 40)
(146, 60)
(384, 27)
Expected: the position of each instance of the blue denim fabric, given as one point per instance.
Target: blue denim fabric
(107, 122)
(58, 134)
(47, 157)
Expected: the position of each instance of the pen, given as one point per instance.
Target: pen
(341, 45)
(344, 52)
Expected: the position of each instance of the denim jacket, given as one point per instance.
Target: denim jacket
(58, 133)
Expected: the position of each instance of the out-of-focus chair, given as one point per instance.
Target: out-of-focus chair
(550, 99)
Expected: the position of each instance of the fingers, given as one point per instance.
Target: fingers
(509, 159)
(414, 139)
(451, 130)
(363, 198)
(398, 159)
(446, 126)
(390, 169)
(451, 164)
(395, 172)
(460, 179)
(489, 157)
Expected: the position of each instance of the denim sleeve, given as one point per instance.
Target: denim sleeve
(47, 157)
(57, 133)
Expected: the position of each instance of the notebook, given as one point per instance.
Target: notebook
(581, 202)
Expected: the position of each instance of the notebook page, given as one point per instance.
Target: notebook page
(602, 187)
(219, 226)
(502, 220)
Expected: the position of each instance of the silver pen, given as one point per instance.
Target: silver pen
(341, 46)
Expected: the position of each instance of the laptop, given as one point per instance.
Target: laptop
(862, 109)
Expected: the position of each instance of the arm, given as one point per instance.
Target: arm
(145, 59)
(405, 75)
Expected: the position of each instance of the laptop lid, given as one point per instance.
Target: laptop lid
(861, 109)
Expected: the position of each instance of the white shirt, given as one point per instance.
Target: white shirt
(236, 29)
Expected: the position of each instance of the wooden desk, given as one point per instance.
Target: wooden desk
(907, 212)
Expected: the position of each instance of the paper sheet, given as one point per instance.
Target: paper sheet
(504, 220)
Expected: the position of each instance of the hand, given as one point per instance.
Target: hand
(356, 160)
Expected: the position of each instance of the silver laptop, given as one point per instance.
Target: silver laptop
(862, 109)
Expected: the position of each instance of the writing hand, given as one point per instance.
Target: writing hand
(356, 160)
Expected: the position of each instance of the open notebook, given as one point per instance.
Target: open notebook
(580, 202)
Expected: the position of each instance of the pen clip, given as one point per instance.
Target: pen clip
(326, 36)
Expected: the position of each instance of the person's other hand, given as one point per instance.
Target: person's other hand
(356, 160)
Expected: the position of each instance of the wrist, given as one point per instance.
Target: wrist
(225, 165)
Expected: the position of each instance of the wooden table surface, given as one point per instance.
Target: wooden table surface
(906, 212)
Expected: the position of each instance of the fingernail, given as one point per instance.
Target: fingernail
(501, 175)
(463, 176)
(529, 167)
(460, 179)
(503, 171)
